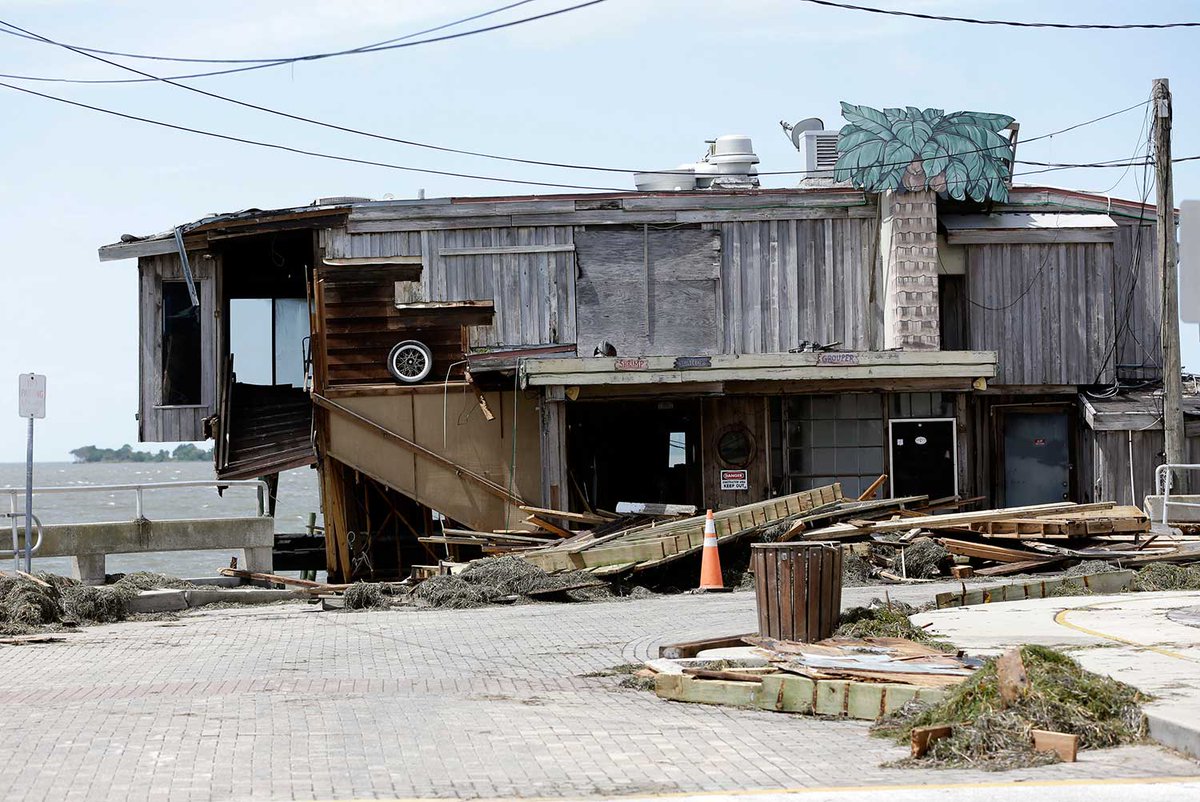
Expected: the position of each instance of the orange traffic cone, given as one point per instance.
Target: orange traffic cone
(710, 563)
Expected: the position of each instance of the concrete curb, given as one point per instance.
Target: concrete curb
(170, 601)
(1174, 732)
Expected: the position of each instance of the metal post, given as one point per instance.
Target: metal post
(1173, 431)
(12, 508)
(29, 500)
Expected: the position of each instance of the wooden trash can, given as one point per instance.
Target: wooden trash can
(798, 588)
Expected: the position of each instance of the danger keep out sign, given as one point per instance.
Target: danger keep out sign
(735, 480)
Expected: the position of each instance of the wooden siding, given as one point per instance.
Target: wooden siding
(360, 323)
(170, 424)
(1137, 302)
(785, 281)
(1045, 309)
(528, 272)
(649, 292)
(1110, 463)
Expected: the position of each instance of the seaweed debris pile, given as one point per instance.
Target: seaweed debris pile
(881, 619)
(1167, 576)
(995, 720)
(505, 580)
(39, 602)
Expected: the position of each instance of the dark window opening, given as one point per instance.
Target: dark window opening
(952, 303)
(618, 451)
(180, 346)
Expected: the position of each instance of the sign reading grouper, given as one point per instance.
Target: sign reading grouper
(735, 480)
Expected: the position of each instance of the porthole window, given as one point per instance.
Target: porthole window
(735, 446)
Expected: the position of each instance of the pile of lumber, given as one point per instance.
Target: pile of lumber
(842, 677)
(639, 537)
(1021, 539)
(644, 545)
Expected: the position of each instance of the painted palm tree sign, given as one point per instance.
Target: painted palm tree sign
(962, 154)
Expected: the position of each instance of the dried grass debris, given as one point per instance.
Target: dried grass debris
(880, 619)
(152, 580)
(989, 734)
(1166, 576)
(451, 591)
(365, 596)
(101, 604)
(857, 571)
(25, 605)
(923, 558)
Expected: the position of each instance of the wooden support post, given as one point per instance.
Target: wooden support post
(554, 449)
(1173, 430)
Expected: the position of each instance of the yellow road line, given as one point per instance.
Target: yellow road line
(1061, 620)
(830, 789)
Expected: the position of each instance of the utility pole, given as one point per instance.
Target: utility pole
(1173, 434)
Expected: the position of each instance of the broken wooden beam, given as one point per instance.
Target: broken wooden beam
(921, 738)
(678, 651)
(659, 510)
(563, 515)
(1065, 745)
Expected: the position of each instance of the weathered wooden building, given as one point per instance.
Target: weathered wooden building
(467, 355)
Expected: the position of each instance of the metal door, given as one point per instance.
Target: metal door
(1037, 458)
(924, 457)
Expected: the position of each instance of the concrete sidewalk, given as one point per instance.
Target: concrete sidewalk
(1149, 640)
(291, 703)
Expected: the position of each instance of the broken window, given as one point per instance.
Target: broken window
(821, 439)
(267, 337)
(180, 346)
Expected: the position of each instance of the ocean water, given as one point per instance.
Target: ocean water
(298, 496)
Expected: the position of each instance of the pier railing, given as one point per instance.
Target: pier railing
(89, 543)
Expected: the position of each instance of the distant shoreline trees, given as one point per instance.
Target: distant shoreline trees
(185, 452)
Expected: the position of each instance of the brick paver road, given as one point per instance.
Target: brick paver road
(291, 703)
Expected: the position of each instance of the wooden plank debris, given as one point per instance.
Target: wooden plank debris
(675, 651)
(664, 510)
(1011, 677)
(921, 738)
(578, 517)
(1065, 745)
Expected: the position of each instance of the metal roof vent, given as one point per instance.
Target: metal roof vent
(728, 164)
(817, 146)
(339, 200)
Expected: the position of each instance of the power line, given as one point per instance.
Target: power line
(1011, 23)
(299, 118)
(273, 62)
(333, 126)
(314, 56)
(301, 151)
(446, 149)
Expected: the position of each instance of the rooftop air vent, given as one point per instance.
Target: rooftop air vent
(819, 149)
(817, 145)
(339, 200)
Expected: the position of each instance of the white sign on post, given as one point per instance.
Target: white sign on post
(32, 395)
(1189, 261)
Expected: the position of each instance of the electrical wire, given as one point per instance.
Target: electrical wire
(446, 149)
(274, 62)
(300, 151)
(320, 56)
(1012, 23)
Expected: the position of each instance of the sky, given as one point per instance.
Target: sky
(637, 83)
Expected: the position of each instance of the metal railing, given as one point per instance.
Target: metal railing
(1162, 482)
(16, 552)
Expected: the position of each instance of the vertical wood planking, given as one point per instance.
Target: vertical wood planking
(1045, 309)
